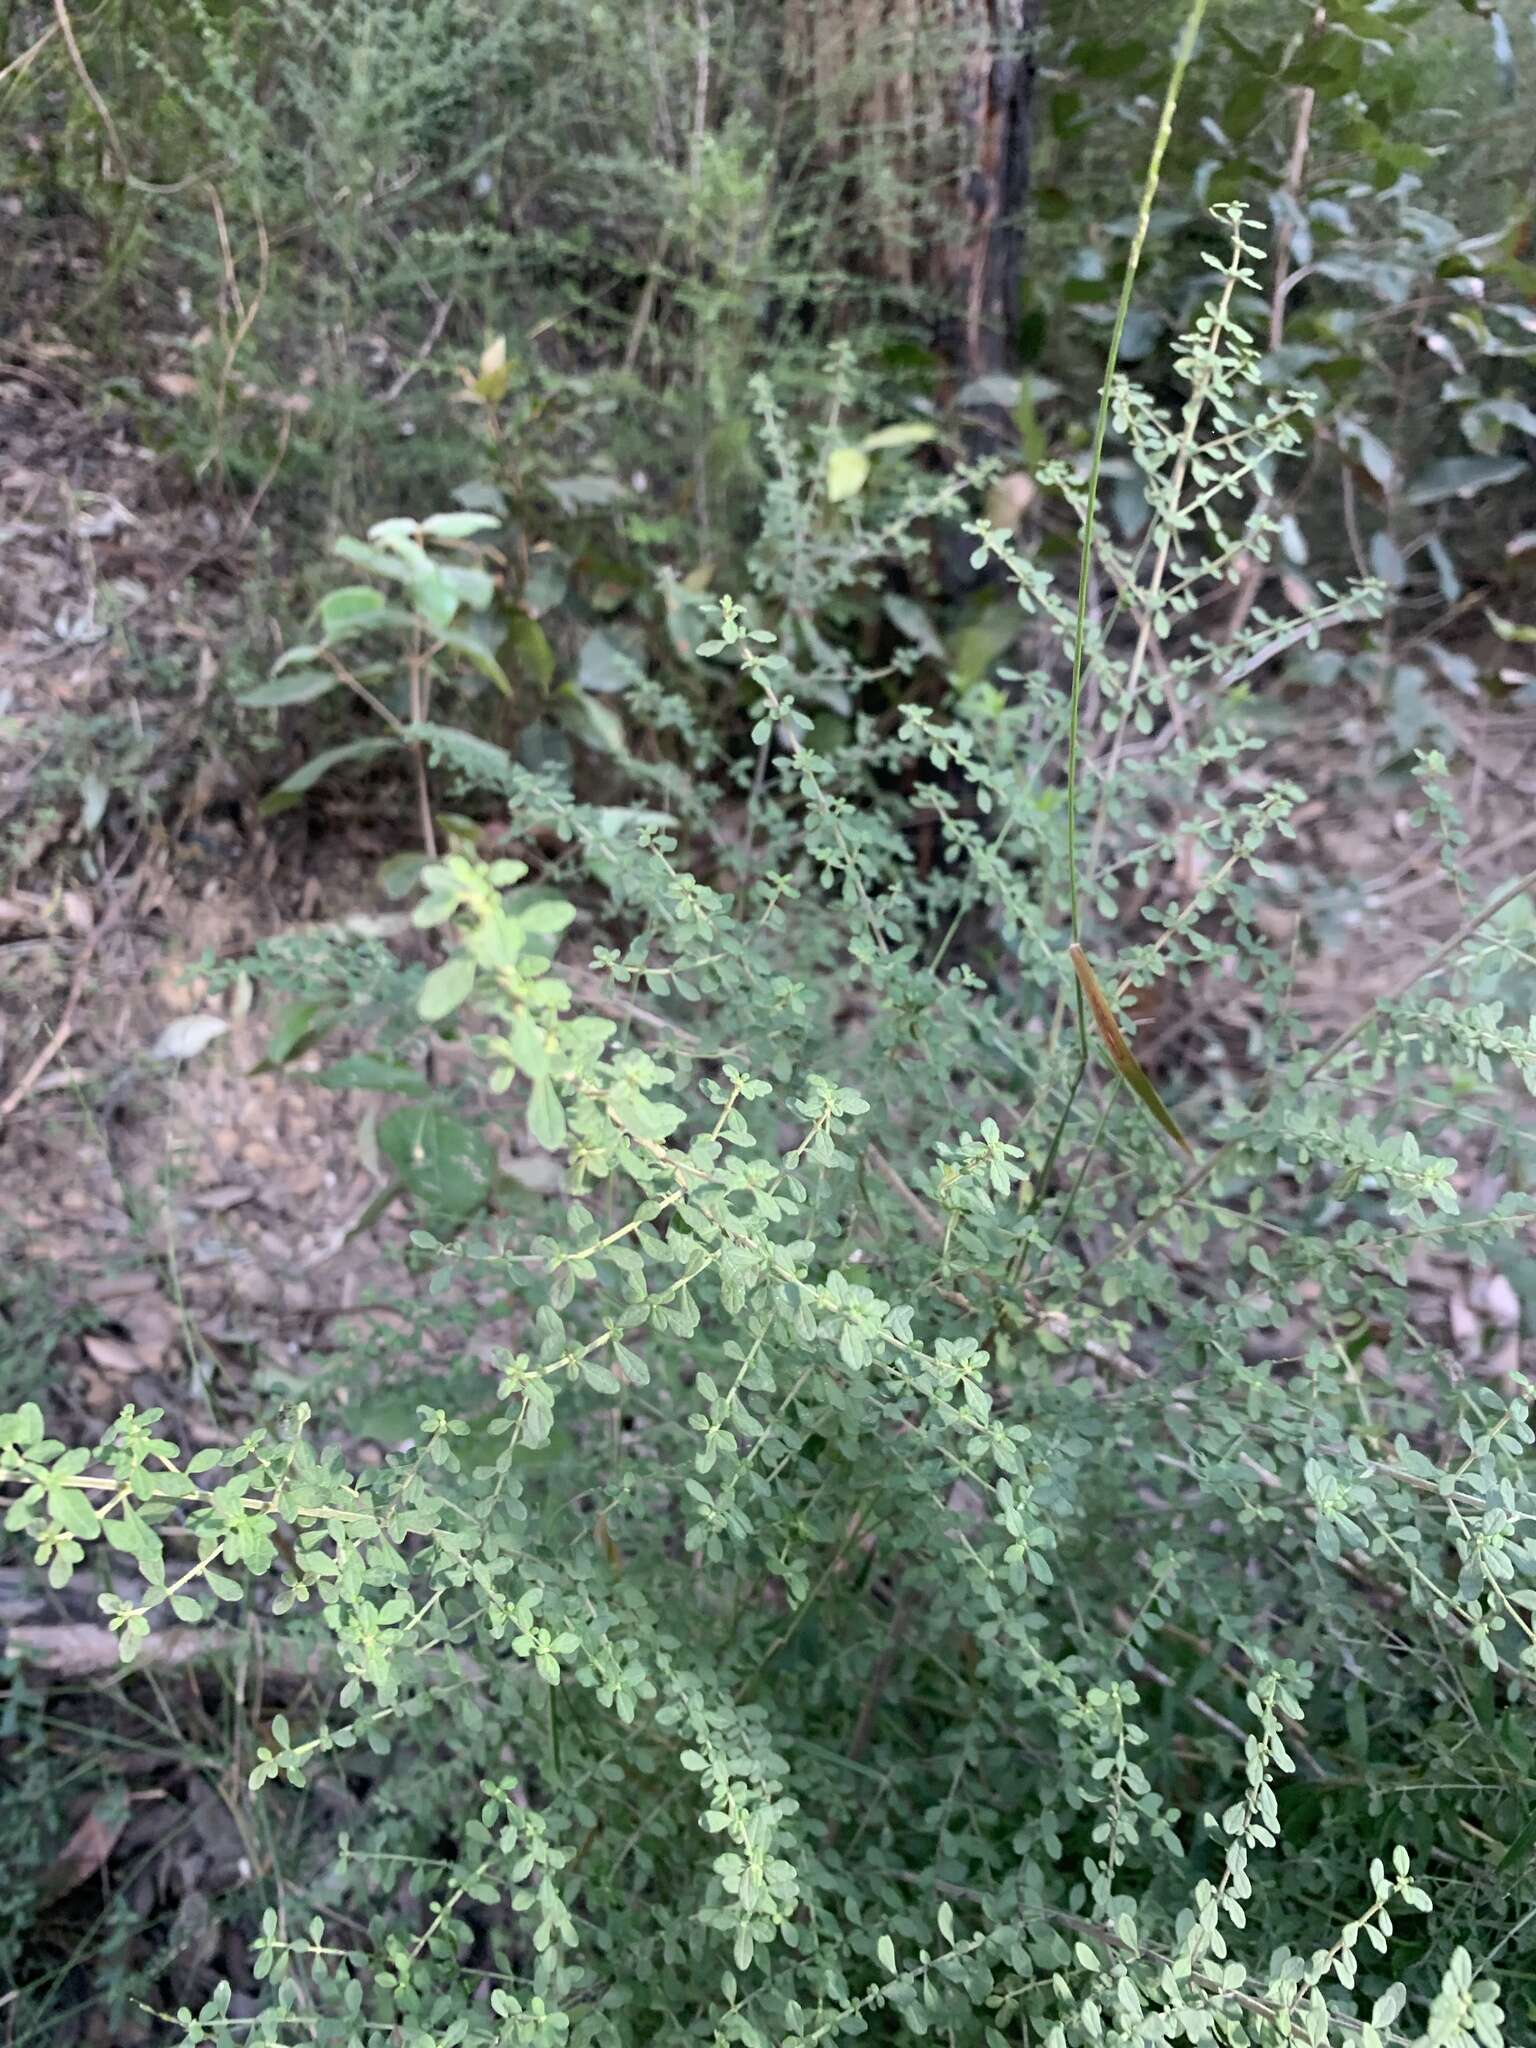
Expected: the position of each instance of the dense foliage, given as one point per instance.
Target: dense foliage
(898, 1510)
(873, 1568)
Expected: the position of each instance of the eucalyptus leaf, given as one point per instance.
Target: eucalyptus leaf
(298, 686)
(1464, 476)
(320, 765)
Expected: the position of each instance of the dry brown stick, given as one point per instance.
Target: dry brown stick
(870, 1704)
(61, 1032)
(913, 1200)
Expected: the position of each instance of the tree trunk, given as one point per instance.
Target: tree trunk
(926, 105)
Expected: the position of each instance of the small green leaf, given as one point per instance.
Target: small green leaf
(527, 647)
(445, 988)
(546, 1115)
(847, 473)
(906, 434)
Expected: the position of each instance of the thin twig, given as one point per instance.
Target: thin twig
(419, 360)
(1196, 1180)
(19, 65)
(1182, 56)
(62, 1030)
(104, 115)
(1295, 171)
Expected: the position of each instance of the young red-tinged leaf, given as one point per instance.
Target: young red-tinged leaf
(1124, 1060)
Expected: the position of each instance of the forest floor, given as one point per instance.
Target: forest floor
(180, 1225)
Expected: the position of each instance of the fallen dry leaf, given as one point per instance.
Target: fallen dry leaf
(88, 1847)
(1500, 1303)
(1465, 1328)
(112, 1355)
(185, 1037)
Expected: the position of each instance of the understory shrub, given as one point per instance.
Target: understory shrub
(909, 1535)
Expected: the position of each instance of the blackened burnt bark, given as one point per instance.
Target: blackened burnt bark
(997, 108)
(925, 108)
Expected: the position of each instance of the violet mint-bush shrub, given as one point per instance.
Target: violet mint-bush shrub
(902, 1550)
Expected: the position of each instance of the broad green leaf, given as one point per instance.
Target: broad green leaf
(399, 875)
(604, 666)
(292, 656)
(545, 914)
(912, 621)
(301, 686)
(591, 719)
(1123, 1059)
(1387, 560)
(1372, 452)
(584, 493)
(479, 657)
(1463, 476)
(474, 587)
(377, 560)
(320, 765)
(371, 1070)
(483, 497)
(445, 1164)
(847, 473)
(984, 638)
(480, 759)
(434, 596)
(459, 525)
(350, 607)
(297, 1027)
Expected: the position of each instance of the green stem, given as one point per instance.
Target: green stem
(1150, 184)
